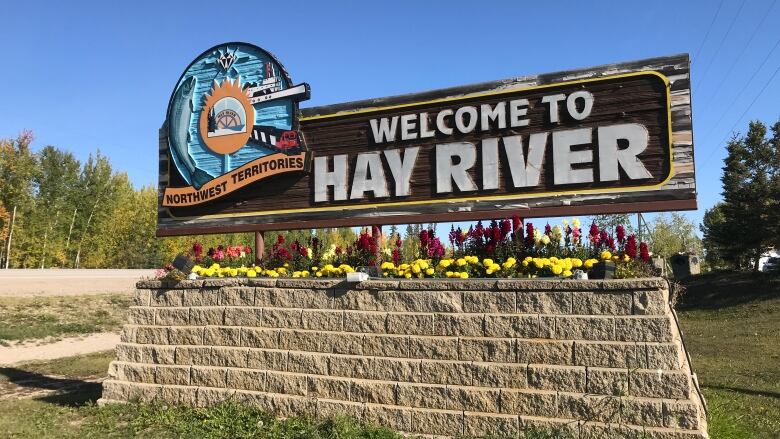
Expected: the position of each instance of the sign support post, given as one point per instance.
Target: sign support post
(259, 247)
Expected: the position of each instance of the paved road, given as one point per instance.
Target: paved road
(56, 282)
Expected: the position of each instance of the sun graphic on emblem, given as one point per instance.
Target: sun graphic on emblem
(227, 117)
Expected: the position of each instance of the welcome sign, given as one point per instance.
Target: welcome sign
(609, 139)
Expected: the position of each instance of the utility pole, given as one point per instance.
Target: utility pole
(10, 234)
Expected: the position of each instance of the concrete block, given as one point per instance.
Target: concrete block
(212, 315)
(513, 376)
(328, 408)
(542, 351)
(436, 348)
(281, 318)
(222, 336)
(329, 388)
(193, 355)
(322, 320)
(498, 350)
(172, 316)
(396, 418)
(201, 297)
(529, 403)
(172, 375)
(609, 354)
(666, 356)
(681, 414)
(474, 399)
(439, 422)
(138, 315)
(248, 379)
(644, 328)
(523, 326)
(645, 412)
(588, 408)
(420, 302)
(466, 325)
(503, 302)
(395, 369)
(604, 381)
(185, 335)
(602, 303)
(286, 383)
(237, 296)
(411, 324)
(159, 355)
(659, 384)
(430, 396)
(229, 356)
(445, 372)
(152, 335)
(584, 328)
(490, 425)
(209, 377)
(208, 397)
(293, 298)
(167, 298)
(366, 322)
(386, 345)
(142, 297)
(653, 302)
(267, 359)
(243, 316)
(547, 302)
(377, 392)
(560, 378)
(307, 363)
(260, 337)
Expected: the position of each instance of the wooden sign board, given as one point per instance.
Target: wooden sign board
(610, 139)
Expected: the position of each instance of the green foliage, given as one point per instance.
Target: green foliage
(744, 225)
(673, 233)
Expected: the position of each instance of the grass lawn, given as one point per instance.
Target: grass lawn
(57, 316)
(732, 331)
(731, 324)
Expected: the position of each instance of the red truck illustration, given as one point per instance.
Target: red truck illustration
(288, 140)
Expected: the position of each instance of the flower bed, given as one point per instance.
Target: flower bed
(504, 249)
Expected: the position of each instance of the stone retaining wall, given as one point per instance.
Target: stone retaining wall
(443, 357)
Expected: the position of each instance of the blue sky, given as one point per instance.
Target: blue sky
(95, 75)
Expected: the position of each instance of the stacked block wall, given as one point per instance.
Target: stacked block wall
(454, 358)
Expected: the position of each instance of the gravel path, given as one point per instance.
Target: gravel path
(66, 347)
(65, 282)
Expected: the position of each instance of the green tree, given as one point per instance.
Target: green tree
(744, 228)
(717, 248)
(671, 234)
(611, 221)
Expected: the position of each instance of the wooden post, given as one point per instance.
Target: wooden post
(259, 247)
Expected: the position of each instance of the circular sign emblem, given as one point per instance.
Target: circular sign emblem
(227, 118)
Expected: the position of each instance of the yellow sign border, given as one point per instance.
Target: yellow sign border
(473, 198)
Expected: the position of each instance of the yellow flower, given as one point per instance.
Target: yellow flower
(408, 275)
(461, 262)
(567, 273)
(545, 240)
(576, 262)
(525, 263)
(464, 275)
(626, 258)
(305, 273)
(422, 263)
(448, 274)
(487, 262)
(445, 263)
(495, 267)
(605, 255)
(429, 272)
(556, 269)
(251, 273)
(489, 271)
(576, 222)
(415, 268)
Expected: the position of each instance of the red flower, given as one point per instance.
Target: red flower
(644, 253)
(594, 233)
(621, 233)
(516, 222)
(631, 247)
(529, 234)
(506, 227)
(280, 239)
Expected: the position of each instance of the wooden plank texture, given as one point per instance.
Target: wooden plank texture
(344, 129)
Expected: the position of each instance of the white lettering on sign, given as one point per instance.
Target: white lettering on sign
(447, 171)
(467, 166)
(611, 155)
(369, 176)
(336, 178)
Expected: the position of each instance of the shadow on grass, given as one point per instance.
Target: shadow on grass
(65, 391)
(765, 393)
(721, 289)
